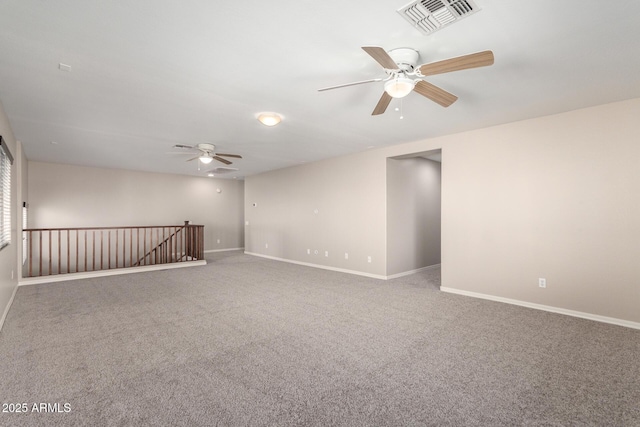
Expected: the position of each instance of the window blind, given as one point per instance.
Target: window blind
(6, 160)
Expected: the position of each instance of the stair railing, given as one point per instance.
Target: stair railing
(53, 251)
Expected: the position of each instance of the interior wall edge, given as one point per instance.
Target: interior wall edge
(8, 307)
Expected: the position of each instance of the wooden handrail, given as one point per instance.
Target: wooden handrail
(127, 227)
(82, 249)
(163, 243)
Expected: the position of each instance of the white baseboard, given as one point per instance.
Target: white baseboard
(6, 310)
(208, 251)
(580, 314)
(410, 272)
(103, 273)
(324, 267)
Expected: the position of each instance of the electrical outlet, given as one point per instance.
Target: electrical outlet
(346, 255)
(542, 282)
(369, 259)
(266, 245)
(218, 241)
(308, 251)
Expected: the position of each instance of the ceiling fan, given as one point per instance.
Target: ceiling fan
(404, 76)
(207, 153)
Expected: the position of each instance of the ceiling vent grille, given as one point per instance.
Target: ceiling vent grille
(429, 16)
(220, 170)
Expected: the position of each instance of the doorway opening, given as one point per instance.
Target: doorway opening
(414, 219)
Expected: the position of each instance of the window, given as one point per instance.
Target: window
(6, 160)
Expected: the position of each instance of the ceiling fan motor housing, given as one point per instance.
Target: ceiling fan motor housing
(405, 57)
(206, 147)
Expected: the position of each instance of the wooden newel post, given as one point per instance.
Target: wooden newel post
(200, 249)
(187, 242)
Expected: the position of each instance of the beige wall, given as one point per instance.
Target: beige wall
(346, 194)
(413, 214)
(553, 197)
(9, 255)
(75, 196)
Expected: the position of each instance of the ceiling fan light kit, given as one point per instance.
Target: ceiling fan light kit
(399, 87)
(205, 159)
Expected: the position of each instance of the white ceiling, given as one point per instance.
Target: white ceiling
(148, 74)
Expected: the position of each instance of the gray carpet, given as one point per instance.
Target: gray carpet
(248, 341)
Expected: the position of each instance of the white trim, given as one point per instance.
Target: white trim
(209, 251)
(580, 314)
(324, 267)
(103, 273)
(410, 272)
(6, 310)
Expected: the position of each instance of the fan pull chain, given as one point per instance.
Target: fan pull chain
(400, 109)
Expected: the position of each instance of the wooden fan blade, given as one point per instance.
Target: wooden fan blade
(237, 156)
(381, 56)
(196, 157)
(385, 99)
(220, 159)
(434, 93)
(474, 60)
(350, 84)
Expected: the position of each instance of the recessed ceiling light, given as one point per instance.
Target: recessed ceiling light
(269, 119)
(54, 143)
(64, 67)
(210, 174)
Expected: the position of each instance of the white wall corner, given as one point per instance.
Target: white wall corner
(408, 273)
(6, 310)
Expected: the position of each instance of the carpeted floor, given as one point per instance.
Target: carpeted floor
(249, 341)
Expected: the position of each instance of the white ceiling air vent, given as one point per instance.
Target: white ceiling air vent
(429, 16)
(220, 170)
